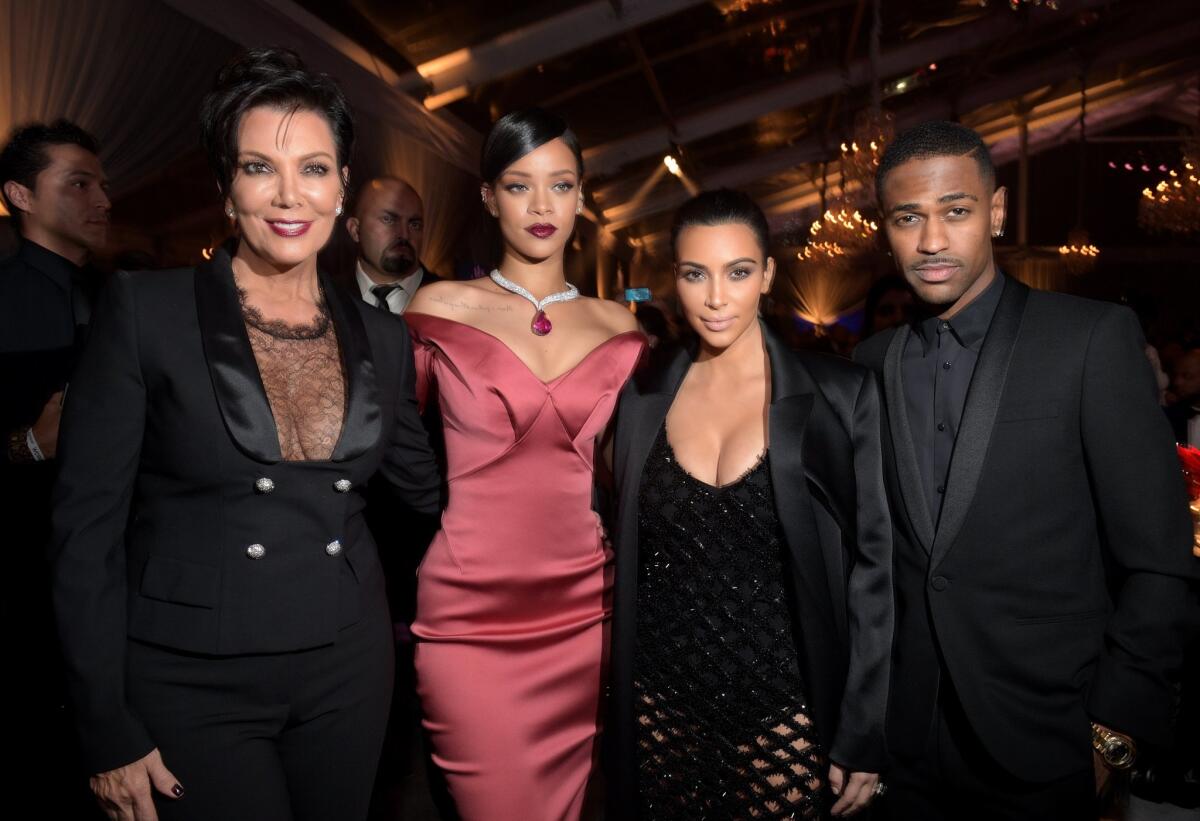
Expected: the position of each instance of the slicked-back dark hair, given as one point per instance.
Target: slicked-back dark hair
(275, 78)
(722, 206)
(24, 155)
(519, 132)
(936, 138)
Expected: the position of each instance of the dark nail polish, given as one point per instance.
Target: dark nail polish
(177, 791)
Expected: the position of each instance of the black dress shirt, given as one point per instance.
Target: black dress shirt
(937, 366)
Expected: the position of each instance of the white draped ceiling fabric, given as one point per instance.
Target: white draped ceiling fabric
(132, 72)
(448, 193)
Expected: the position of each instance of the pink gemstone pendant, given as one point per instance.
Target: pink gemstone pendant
(541, 324)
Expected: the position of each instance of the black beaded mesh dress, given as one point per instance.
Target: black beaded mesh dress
(723, 729)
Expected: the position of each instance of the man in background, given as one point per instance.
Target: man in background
(388, 226)
(54, 187)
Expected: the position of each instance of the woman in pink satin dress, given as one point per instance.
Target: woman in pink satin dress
(513, 594)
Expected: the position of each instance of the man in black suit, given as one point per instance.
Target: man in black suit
(54, 187)
(388, 226)
(1043, 571)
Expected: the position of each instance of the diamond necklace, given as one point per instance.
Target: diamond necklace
(541, 323)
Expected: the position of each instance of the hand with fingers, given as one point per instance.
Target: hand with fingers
(854, 790)
(126, 793)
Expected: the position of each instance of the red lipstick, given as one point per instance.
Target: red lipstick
(542, 230)
(290, 228)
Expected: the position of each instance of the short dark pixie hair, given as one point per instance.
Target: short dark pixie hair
(24, 156)
(936, 138)
(275, 78)
(722, 206)
(519, 132)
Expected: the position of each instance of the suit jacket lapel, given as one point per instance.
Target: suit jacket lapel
(979, 415)
(231, 364)
(642, 413)
(363, 423)
(902, 443)
(792, 399)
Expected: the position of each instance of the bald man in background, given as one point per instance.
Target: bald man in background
(388, 226)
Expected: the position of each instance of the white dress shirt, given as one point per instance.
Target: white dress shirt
(399, 298)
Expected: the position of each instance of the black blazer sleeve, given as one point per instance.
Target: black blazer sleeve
(1142, 510)
(859, 743)
(98, 454)
(409, 464)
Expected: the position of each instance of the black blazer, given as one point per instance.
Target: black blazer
(1057, 586)
(167, 432)
(38, 351)
(826, 475)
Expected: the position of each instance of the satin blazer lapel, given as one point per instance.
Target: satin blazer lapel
(643, 412)
(902, 442)
(792, 399)
(362, 423)
(231, 364)
(979, 415)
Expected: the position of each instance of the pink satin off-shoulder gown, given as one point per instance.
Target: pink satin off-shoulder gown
(513, 593)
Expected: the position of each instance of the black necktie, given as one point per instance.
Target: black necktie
(381, 294)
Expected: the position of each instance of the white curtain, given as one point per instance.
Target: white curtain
(448, 193)
(132, 72)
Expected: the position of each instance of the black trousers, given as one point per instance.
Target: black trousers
(282, 737)
(957, 780)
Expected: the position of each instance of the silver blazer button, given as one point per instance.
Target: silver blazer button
(256, 551)
(333, 548)
(264, 485)
(342, 485)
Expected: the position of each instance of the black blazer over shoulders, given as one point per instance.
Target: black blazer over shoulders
(164, 530)
(826, 474)
(1058, 586)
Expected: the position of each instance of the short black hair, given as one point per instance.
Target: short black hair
(519, 132)
(24, 154)
(935, 138)
(275, 78)
(722, 206)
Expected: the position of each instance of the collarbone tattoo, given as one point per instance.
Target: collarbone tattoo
(460, 305)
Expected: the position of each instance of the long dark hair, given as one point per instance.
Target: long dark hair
(519, 132)
(722, 206)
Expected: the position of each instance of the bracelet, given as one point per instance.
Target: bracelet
(34, 450)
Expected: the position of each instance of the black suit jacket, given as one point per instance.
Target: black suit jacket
(826, 474)
(38, 349)
(167, 429)
(1059, 583)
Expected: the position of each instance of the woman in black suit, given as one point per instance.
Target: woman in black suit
(219, 598)
(753, 603)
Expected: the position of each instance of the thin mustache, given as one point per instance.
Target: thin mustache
(935, 262)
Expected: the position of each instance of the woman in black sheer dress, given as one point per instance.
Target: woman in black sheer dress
(753, 606)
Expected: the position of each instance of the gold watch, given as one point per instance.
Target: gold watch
(1118, 751)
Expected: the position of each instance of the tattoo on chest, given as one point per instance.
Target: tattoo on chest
(460, 305)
